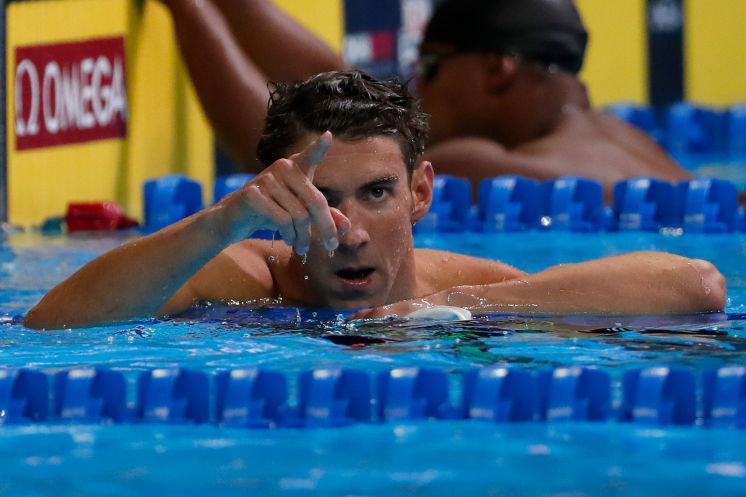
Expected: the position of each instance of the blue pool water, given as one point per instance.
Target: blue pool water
(433, 457)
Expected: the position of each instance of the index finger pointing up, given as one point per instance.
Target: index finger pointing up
(309, 158)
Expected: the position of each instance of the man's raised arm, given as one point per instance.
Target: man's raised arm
(634, 283)
(138, 278)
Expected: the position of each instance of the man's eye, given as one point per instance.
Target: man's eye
(378, 193)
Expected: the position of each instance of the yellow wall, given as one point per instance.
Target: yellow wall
(167, 131)
(616, 62)
(715, 51)
(324, 17)
(40, 181)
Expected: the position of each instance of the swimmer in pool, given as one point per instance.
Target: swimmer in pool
(344, 184)
(498, 78)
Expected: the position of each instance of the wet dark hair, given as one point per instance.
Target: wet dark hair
(350, 104)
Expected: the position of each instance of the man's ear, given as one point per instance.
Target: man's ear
(500, 71)
(422, 190)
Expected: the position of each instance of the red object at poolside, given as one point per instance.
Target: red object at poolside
(96, 216)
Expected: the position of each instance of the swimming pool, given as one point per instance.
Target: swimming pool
(429, 457)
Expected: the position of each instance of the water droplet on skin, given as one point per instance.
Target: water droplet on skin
(708, 290)
(304, 259)
(271, 258)
(272, 245)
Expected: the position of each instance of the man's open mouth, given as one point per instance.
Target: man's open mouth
(355, 273)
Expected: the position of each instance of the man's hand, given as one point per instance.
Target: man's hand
(283, 198)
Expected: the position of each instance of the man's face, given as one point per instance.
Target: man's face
(374, 263)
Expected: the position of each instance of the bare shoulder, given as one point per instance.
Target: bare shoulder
(241, 271)
(440, 269)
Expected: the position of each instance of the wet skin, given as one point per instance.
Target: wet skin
(367, 182)
(357, 201)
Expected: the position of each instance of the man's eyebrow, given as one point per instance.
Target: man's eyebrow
(385, 180)
(382, 181)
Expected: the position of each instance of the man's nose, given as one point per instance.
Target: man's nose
(358, 234)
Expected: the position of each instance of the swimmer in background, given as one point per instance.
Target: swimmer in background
(344, 184)
(498, 78)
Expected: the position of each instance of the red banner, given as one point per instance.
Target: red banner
(70, 93)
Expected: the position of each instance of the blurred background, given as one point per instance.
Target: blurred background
(97, 100)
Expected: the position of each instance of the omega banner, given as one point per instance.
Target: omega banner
(71, 92)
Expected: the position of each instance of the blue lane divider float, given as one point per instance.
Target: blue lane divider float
(498, 394)
(413, 393)
(724, 397)
(333, 397)
(572, 204)
(169, 199)
(644, 204)
(250, 398)
(737, 132)
(229, 184)
(86, 394)
(173, 396)
(24, 395)
(574, 394)
(659, 396)
(695, 133)
(708, 205)
(451, 209)
(507, 203)
(515, 203)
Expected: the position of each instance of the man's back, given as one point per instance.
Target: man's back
(585, 143)
(598, 145)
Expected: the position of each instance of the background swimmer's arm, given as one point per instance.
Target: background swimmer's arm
(231, 48)
(231, 88)
(284, 49)
(635, 283)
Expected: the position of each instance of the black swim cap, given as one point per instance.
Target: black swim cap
(549, 32)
